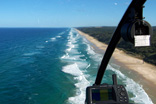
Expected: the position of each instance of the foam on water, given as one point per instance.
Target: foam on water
(62, 32)
(140, 96)
(53, 39)
(81, 84)
(72, 69)
(71, 53)
(58, 36)
(40, 47)
(95, 56)
(90, 50)
(75, 67)
(31, 53)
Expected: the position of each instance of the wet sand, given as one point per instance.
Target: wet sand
(144, 73)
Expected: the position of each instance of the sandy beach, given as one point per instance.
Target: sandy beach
(145, 71)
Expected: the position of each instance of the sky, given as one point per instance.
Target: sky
(68, 13)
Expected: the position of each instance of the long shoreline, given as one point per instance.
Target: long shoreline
(146, 72)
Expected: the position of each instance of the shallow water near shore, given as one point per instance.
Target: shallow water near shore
(144, 83)
(53, 66)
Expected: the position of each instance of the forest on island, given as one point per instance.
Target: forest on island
(104, 34)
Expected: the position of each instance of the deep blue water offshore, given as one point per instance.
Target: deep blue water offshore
(52, 66)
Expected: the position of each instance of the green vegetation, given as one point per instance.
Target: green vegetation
(104, 34)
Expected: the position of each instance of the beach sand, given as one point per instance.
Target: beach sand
(144, 73)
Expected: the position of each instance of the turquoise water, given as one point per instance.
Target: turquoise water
(52, 66)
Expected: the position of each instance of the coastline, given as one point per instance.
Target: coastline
(146, 73)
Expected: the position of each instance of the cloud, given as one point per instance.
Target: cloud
(115, 3)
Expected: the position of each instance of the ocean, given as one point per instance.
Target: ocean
(53, 66)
